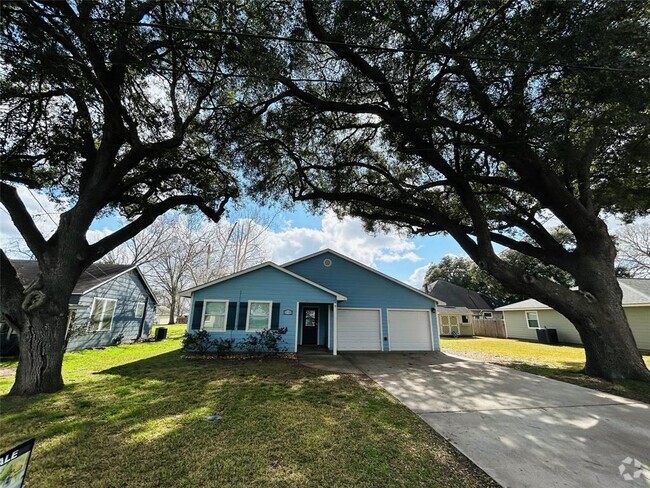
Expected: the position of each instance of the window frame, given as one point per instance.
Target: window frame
(225, 316)
(539, 324)
(248, 315)
(135, 311)
(488, 315)
(92, 310)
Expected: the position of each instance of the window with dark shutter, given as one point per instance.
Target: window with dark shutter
(197, 315)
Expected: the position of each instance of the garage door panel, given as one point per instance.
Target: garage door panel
(359, 330)
(409, 330)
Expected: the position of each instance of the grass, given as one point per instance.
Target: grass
(134, 415)
(561, 362)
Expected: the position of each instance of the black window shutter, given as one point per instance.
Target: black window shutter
(275, 316)
(197, 315)
(243, 312)
(232, 312)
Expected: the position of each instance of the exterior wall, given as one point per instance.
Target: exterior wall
(267, 284)
(128, 290)
(364, 289)
(517, 327)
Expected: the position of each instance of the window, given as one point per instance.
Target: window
(101, 314)
(533, 320)
(464, 319)
(139, 310)
(214, 314)
(487, 315)
(259, 316)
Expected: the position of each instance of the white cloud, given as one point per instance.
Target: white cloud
(346, 236)
(417, 277)
(45, 214)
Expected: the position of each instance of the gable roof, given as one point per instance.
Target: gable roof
(453, 310)
(636, 291)
(457, 296)
(94, 276)
(188, 293)
(390, 278)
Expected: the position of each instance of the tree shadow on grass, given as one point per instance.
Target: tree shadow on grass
(143, 423)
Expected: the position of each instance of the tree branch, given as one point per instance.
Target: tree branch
(22, 219)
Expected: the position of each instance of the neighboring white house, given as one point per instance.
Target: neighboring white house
(524, 318)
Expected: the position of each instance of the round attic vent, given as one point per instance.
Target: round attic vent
(327, 263)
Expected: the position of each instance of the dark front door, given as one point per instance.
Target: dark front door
(309, 326)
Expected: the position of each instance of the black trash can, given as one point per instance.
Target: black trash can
(161, 333)
(547, 336)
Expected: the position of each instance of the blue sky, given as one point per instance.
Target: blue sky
(298, 232)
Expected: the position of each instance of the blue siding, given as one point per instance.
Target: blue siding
(268, 284)
(128, 290)
(363, 288)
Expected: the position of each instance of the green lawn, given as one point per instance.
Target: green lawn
(561, 362)
(133, 415)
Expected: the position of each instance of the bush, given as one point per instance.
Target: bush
(270, 340)
(198, 342)
(223, 346)
(251, 344)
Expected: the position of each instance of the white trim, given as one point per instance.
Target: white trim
(248, 314)
(188, 293)
(135, 312)
(381, 324)
(297, 326)
(92, 309)
(225, 321)
(143, 279)
(539, 324)
(335, 327)
(433, 345)
(390, 278)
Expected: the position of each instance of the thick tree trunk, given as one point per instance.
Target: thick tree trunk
(41, 351)
(595, 309)
(610, 349)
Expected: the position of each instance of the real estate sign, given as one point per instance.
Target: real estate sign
(13, 465)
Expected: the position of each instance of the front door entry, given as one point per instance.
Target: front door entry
(310, 326)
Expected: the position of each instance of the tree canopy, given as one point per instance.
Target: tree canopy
(481, 120)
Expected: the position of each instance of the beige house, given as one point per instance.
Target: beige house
(455, 321)
(522, 319)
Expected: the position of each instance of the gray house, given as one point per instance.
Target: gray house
(110, 302)
(525, 317)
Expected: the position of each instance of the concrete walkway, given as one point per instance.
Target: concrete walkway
(523, 430)
(323, 360)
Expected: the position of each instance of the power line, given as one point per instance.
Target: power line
(41, 205)
(371, 47)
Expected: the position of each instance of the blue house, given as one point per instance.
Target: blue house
(324, 299)
(109, 302)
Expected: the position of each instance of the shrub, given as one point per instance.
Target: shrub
(251, 344)
(198, 342)
(271, 339)
(223, 346)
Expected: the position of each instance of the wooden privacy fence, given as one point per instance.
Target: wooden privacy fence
(489, 328)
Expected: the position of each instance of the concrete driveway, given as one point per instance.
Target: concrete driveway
(523, 430)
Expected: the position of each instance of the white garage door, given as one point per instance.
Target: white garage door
(358, 330)
(409, 330)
